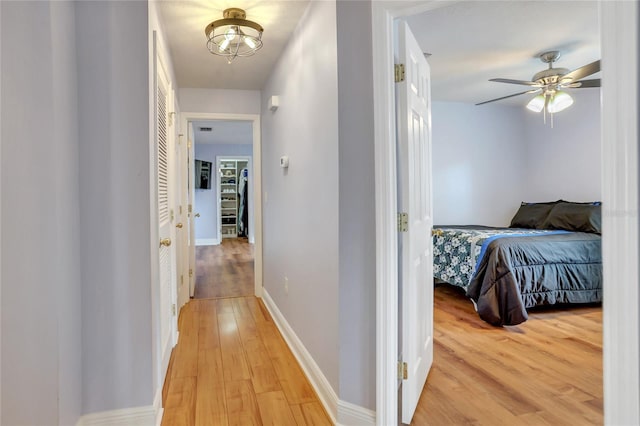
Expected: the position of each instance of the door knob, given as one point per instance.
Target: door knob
(197, 214)
(165, 242)
(179, 225)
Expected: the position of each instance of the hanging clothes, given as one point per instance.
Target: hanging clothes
(243, 214)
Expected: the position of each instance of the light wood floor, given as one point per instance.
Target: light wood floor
(545, 371)
(232, 367)
(225, 270)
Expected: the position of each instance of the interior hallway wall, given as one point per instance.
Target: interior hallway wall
(115, 226)
(300, 204)
(41, 318)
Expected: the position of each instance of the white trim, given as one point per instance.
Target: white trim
(138, 416)
(208, 242)
(186, 117)
(386, 211)
(351, 414)
(325, 392)
(621, 357)
(157, 403)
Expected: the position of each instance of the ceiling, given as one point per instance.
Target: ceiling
(184, 22)
(470, 42)
(473, 41)
(223, 132)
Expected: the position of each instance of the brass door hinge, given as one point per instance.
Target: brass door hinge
(402, 370)
(398, 72)
(173, 309)
(190, 272)
(181, 279)
(403, 222)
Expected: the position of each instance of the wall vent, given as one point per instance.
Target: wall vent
(205, 129)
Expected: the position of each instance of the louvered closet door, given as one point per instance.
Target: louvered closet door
(163, 145)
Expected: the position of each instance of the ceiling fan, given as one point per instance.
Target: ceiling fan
(550, 84)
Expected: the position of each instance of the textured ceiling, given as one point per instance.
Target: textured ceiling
(184, 22)
(470, 42)
(474, 41)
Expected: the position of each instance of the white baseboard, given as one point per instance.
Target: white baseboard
(208, 242)
(136, 416)
(157, 403)
(342, 413)
(351, 415)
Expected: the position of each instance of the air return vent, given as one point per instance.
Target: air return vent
(205, 129)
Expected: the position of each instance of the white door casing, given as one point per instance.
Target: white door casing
(181, 222)
(416, 256)
(191, 214)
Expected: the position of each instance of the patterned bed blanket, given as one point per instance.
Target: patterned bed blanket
(458, 250)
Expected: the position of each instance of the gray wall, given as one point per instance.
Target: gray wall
(219, 101)
(564, 161)
(487, 160)
(356, 205)
(300, 205)
(113, 94)
(205, 199)
(479, 163)
(41, 346)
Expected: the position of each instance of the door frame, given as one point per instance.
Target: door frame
(621, 376)
(185, 119)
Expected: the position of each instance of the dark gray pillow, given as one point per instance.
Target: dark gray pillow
(532, 215)
(578, 217)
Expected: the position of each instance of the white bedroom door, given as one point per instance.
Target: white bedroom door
(416, 255)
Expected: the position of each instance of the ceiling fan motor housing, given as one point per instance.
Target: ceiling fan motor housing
(549, 76)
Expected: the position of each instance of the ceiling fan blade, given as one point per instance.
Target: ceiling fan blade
(510, 96)
(586, 83)
(581, 72)
(508, 80)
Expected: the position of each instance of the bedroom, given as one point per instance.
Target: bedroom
(488, 159)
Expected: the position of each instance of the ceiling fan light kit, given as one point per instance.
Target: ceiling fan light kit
(549, 85)
(234, 35)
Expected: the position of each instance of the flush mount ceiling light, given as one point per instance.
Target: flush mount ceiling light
(234, 35)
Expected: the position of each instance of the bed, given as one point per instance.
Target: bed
(550, 254)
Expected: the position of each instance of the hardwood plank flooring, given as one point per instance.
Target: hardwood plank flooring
(232, 367)
(545, 371)
(225, 270)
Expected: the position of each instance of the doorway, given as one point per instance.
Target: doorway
(225, 268)
(251, 257)
(619, 52)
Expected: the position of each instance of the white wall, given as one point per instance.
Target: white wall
(300, 209)
(488, 159)
(479, 159)
(113, 94)
(219, 101)
(564, 161)
(41, 346)
(356, 205)
(205, 199)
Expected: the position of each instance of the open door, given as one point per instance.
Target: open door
(192, 215)
(416, 219)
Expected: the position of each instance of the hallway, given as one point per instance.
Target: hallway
(232, 367)
(224, 270)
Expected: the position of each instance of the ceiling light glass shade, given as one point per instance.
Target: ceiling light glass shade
(234, 35)
(559, 102)
(536, 104)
